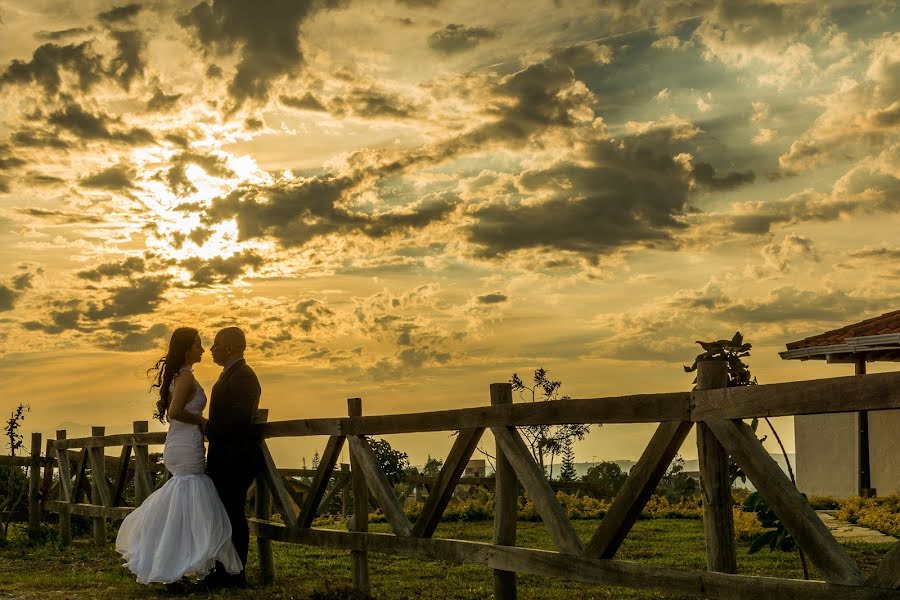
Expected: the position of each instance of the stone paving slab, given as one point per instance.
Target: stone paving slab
(848, 532)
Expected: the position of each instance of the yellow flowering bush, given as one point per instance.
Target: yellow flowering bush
(881, 514)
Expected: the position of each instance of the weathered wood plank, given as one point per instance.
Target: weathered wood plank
(156, 438)
(280, 493)
(100, 494)
(543, 563)
(642, 480)
(887, 573)
(715, 480)
(801, 520)
(65, 473)
(98, 477)
(328, 460)
(143, 481)
(90, 510)
(65, 490)
(359, 522)
(838, 394)
(379, 485)
(538, 488)
(80, 477)
(122, 478)
(439, 496)
(34, 482)
(263, 507)
(638, 408)
(49, 462)
(506, 502)
(340, 484)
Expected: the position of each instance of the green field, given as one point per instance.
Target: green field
(83, 571)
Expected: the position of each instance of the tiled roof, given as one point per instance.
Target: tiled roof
(886, 323)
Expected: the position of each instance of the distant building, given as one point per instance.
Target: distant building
(475, 468)
(853, 453)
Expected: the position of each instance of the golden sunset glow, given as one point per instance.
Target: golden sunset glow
(410, 203)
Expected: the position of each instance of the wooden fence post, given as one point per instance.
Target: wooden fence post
(345, 489)
(506, 503)
(715, 480)
(143, 484)
(263, 510)
(34, 482)
(65, 491)
(98, 478)
(359, 560)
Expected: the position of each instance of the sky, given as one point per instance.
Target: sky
(408, 200)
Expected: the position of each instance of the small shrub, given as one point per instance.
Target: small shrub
(881, 514)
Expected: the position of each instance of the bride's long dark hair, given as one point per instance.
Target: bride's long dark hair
(165, 369)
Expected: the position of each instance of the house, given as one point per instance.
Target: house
(854, 453)
(475, 468)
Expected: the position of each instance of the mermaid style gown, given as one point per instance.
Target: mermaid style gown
(181, 529)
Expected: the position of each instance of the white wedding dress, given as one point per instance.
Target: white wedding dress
(181, 529)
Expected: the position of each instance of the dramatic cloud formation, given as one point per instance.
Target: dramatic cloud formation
(411, 202)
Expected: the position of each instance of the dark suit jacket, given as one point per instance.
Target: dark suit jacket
(233, 440)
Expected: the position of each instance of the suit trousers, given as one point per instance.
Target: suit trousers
(233, 486)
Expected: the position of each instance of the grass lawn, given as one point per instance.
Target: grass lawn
(82, 571)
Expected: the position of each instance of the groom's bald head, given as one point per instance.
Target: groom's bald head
(228, 344)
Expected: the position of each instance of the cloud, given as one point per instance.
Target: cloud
(49, 60)
(297, 212)
(494, 298)
(878, 252)
(372, 103)
(62, 34)
(859, 116)
(220, 270)
(781, 255)
(160, 101)
(177, 178)
(116, 178)
(266, 35)
(129, 337)
(7, 298)
(312, 314)
(128, 62)
(619, 194)
(86, 125)
(455, 38)
(871, 186)
(305, 102)
(120, 13)
(60, 216)
(795, 304)
(126, 268)
(141, 295)
(11, 291)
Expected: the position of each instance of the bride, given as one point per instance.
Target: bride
(181, 529)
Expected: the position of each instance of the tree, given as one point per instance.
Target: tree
(605, 478)
(432, 467)
(546, 440)
(15, 479)
(392, 462)
(676, 485)
(568, 472)
(315, 461)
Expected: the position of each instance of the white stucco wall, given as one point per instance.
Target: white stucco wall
(827, 448)
(884, 451)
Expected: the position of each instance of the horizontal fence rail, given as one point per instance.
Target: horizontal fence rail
(94, 485)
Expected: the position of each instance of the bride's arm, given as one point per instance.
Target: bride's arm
(184, 389)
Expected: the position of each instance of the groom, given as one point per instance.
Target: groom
(234, 456)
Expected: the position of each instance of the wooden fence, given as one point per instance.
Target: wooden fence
(716, 410)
